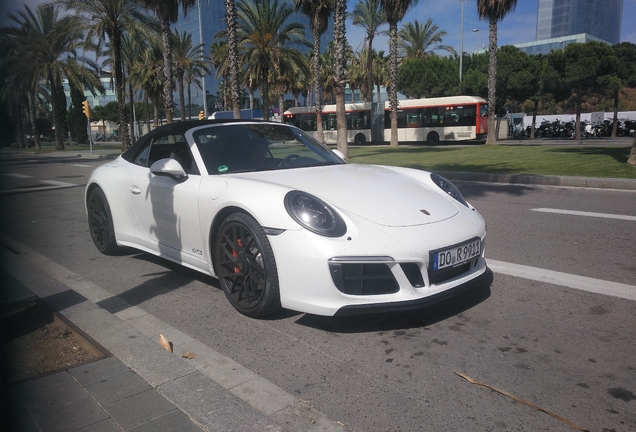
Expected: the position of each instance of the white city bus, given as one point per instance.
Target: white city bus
(453, 118)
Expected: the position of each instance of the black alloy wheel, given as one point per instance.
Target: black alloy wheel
(245, 265)
(100, 222)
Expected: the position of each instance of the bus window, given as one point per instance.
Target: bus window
(483, 112)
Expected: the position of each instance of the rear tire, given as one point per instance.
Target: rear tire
(432, 138)
(245, 265)
(100, 222)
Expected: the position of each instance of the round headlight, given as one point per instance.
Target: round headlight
(314, 214)
(448, 187)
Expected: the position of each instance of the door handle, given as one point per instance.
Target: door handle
(135, 190)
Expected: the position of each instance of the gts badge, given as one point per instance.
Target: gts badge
(197, 252)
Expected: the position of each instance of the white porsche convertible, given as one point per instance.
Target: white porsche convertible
(283, 221)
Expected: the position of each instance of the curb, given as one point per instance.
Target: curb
(539, 180)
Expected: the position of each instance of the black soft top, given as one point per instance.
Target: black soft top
(176, 128)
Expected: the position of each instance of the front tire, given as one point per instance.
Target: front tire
(245, 265)
(100, 222)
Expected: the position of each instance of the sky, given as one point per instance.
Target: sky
(517, 27)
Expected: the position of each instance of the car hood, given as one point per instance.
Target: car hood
(383, 195)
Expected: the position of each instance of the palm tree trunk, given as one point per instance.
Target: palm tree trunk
(181, 96)
(131, 110)
(232, 44)
(58, 117)
(34, 129)
(189, 86)
(320, 135)
(168, 84)
(534, 118)
(120, 88)
(615, 128)
(340, 41)
(369, 93)
(492, 81)
(393, 102)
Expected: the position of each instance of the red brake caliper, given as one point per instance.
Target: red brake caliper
(234, 253)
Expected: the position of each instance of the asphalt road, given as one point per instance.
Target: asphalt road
(567, 350)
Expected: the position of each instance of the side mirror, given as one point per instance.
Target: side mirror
(339, 154)
(169, 167)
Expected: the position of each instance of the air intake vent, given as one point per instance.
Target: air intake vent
(363, 279)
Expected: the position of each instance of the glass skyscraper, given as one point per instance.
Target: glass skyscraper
(598, 18)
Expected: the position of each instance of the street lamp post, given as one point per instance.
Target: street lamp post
(477, 31)
(461, 46)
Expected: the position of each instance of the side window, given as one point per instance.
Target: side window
(168, 146)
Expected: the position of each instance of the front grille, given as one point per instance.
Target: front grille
(363, 279)
(439, 276)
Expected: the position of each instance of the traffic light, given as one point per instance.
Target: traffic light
(201, 115)
(86, 109)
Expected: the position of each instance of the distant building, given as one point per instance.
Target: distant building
(562, 22)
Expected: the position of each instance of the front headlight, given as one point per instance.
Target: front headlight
(314, 214)
(448, 187)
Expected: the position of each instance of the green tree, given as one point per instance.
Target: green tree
(147, 74)
(623, 75)
(418, 41)
(584, 69)
(167, 12)
(107, 21)
(186, 55)
(318, 12)
(264, 34)
(48, 44)
(432, 76)
(493, 11)
(368, 15)
(394, 11)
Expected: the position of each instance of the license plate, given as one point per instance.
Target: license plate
(456, 255)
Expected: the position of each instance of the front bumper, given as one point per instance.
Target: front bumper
(309, 282)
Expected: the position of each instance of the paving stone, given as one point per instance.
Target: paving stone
(117, 387)
(71, 416)
(99, 370)
(139, 408)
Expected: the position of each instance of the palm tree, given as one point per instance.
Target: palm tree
(420, 41)
(394, 11)
(147, 74)
(263, 34)
(339, 44)
(233, 56)
(493, 11)
(20, 84)
(380, 71)
(184, 55)
(194, 72)
(109, 20)
(318, 12)
(368, 14)
(168, 13)
(48, 44)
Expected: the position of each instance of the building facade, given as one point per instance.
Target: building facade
(562, 22)
(598, 18)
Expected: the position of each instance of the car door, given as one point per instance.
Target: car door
(166, 208)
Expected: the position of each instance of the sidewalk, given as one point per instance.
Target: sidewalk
(140, 386)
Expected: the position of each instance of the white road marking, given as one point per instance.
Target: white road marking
(582, 213)
(22, 176)
(53, 184)
(57, 183)
(583, 283)
(82, 166)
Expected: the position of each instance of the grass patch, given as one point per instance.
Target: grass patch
(609, 162)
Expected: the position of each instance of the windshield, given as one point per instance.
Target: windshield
(246, 147)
